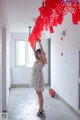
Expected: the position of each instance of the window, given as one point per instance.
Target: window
(24, 54)
(20, 52)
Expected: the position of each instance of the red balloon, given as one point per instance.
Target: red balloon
(52, 92)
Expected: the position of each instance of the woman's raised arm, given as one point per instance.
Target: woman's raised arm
(34, 49)
(43, 59)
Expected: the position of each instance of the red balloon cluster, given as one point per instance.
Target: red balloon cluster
(52, 13)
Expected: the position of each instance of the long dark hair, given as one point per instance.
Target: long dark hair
(37, 52)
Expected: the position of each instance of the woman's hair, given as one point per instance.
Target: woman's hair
(37, 52)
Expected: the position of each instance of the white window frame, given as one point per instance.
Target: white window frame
(27, 62)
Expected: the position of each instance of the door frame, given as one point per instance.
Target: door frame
(49, 61)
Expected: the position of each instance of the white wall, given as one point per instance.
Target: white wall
(64, 69)
(4, 74)
(4, 69)
(0, 56)
(8, 73)
(0, 67)
(22, 75)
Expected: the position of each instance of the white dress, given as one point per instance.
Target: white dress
(37, 76)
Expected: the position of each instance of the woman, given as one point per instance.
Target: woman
(37, 75)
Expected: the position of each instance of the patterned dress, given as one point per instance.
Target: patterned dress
(37, 76)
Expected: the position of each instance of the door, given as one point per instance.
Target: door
(49, 61)
(79, 81)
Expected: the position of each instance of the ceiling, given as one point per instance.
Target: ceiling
(20, 14)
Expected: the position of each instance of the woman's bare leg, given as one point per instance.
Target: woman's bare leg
(40, 99)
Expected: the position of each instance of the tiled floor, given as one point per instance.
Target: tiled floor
(23, 105)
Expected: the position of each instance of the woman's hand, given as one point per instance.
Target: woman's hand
(39, 40)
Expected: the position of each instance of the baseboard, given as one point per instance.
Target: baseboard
(46, 84)
(4, 111)
(20, 85)
(69, 106)
(9, 88)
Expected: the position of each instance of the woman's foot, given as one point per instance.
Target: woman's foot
(41, 114)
